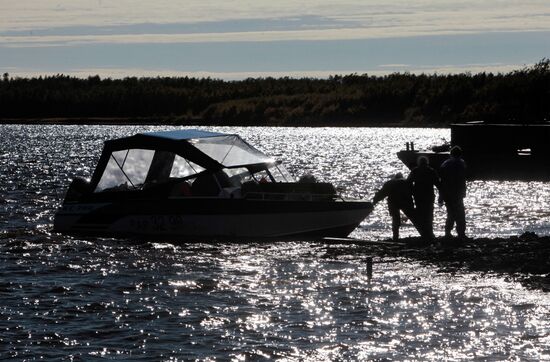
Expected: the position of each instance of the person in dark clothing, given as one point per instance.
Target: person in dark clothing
(453, 191)
(423, 179)
(399, 194)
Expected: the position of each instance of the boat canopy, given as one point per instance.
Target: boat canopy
(208, 149)
(184, 134)
(145, 156)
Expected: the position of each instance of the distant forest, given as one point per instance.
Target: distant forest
(358, 100)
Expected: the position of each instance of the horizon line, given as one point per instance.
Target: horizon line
(388, 69)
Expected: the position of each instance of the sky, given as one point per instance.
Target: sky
(236, 39)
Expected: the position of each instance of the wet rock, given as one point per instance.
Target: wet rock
(525, 257)
(528, 236)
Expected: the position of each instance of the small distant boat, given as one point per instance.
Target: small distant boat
(513, 152)
(197, 184)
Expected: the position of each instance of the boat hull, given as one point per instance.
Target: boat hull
(211, 217)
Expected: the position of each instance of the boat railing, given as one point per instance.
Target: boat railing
(292, 196)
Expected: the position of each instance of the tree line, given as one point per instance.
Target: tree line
(359, 100)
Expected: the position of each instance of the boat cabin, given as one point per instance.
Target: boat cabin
(184, 163)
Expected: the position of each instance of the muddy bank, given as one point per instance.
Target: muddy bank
(525, 258)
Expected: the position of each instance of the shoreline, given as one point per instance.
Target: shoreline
(187, 122)
(524, 258)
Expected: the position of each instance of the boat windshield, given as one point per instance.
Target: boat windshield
(238, 176)
(275, 172)
(230, 150)
(134, 169)
(183, 167)
(280, 173)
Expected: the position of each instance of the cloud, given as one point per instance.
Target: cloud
(60, 22)
(250, 36)
(234, 39)
(402, 66)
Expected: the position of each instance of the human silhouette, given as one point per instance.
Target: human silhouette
(453, 191)
(423, 179)
(399, 194)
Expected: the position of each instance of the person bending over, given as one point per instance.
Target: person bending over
(398, 192)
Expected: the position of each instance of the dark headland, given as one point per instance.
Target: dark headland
(399, 99)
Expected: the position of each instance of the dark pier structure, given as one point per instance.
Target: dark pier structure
(494, 151)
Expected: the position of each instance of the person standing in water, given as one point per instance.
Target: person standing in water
(398, 192)
(453, 191)
(423, 179)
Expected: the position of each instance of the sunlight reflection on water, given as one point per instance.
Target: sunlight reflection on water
(288, 300)
(40, 161)
(87, 298)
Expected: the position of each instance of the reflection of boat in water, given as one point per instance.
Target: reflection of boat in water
(192, 183)
(494, 151)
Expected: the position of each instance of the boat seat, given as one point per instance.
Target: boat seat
(210, 184)
(181, 188)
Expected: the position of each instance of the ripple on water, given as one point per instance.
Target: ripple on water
(88, 298)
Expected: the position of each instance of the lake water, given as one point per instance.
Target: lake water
(85, 298)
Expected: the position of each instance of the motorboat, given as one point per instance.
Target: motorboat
(198, 184)
(508, 152)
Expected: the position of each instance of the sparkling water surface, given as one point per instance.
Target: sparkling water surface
(88, 298)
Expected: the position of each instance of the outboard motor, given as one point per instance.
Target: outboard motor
(78, 188)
